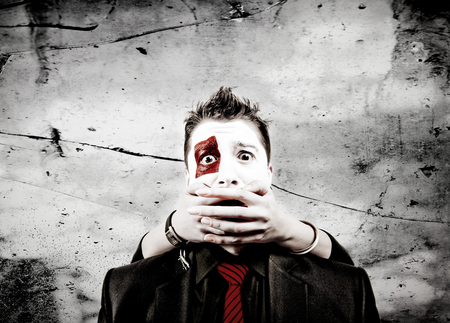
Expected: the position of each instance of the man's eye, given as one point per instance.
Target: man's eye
(208, 159)
(245, 156)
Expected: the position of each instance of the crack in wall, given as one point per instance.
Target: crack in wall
(317, 200)
(191, 8)
(145, 33)
(44, 15)
(277, 13)
(3, 61)
(392, 216)
(37, 12)
(14, 4)
(120, 39)
(56, 140)
(279, 3)
(62, 193)
(368, 212)
(379, 204)
(57, 26)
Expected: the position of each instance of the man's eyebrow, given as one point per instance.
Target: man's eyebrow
(245, 145)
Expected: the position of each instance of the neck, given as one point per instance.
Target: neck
(234, 249)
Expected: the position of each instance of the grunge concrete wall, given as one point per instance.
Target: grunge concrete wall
(92, 99)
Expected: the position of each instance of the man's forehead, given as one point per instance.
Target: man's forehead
(230, 129)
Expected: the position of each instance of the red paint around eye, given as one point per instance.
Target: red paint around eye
(205, 148)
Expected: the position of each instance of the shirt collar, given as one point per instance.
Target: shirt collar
(208, 256)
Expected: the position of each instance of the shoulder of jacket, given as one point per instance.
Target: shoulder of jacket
(148, 266)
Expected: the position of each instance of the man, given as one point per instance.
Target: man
(229, 254)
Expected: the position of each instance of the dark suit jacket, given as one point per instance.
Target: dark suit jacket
(302, 289)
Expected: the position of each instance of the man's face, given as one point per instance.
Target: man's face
(227, 154)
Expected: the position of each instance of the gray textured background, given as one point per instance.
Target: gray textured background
(92, 99)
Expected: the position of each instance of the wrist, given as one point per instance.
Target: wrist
(313, 244)
(298, 236)
(171, 235)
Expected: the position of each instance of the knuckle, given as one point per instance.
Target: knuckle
(258, 181)
(236, 240)
(259, 237)
(257, 184)
(240, 194)
(265, 218)
(220, 240)
(236, 213)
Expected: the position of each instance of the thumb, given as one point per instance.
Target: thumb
(257, 187)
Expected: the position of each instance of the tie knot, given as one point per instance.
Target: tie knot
(234, 274)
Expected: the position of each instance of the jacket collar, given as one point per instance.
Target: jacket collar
(207, 257)
(287, 291)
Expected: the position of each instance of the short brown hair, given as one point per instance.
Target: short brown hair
(224, 105)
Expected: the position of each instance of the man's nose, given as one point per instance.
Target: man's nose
(227, 176)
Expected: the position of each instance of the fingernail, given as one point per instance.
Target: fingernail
(208, 238)
(193, 210)
(206, 221)
(203, 191)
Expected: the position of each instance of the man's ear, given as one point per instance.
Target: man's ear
(186, 175)
(270, 171)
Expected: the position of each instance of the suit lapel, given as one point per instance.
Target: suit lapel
(173, 296)
(288, 294)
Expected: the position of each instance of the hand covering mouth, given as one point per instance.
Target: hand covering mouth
(230, 203)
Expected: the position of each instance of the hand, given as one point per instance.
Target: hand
(262, 219)
(188, 226)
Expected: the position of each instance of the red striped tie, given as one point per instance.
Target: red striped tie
(234, 275)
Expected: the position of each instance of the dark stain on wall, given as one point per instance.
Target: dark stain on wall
(3, 60)
(26, 287)
(56, 138)
(362, 165)
(423, 38)
(428, 170)
(142, 50)
(424, 8)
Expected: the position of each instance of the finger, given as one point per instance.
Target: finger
(213, 231)
(210, 229)
(191, 189)
(206, 201)
(224, 240)
(257, 187)
(232, 213)
(235, 212)
(246, 197)
(236, 227)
